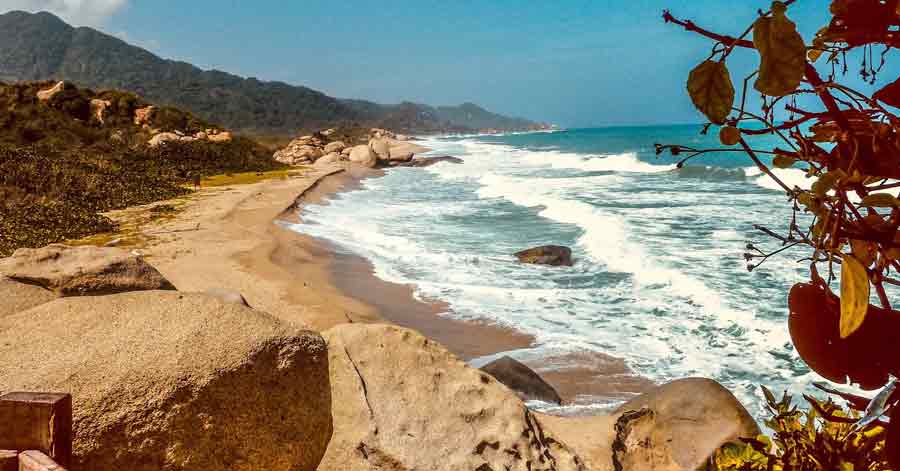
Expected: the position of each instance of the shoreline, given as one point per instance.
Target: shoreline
(234, 237)
(581, 378)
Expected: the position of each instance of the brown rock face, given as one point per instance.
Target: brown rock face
(674, 427)
(679, 425)
(554, 255)
(48, 94)
(83, 271)
(18, 297)
(403, 402)
(364, 155)
(527, 384)
(98, 109)
(164, 380)
(144, 115)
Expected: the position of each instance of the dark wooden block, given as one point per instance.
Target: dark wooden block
(37, 421)
(34, 460)
(9, 460)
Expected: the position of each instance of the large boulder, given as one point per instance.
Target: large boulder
(554, 255)
(167, 380)
(142, 116)
(381, 147)
(329, 159)
(527, 384)
(403, 402)
(83, 271)
(162, 138)
(299, 151)
(98, 109)
(674, 427)
(221, 136)
(336, 146)
(48, 94)
(364, 155)
(18, 297)
(685, 421)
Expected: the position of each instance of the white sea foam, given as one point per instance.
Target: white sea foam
(637, 291)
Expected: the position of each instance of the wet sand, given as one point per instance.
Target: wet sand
(237, 238)
(582, 378)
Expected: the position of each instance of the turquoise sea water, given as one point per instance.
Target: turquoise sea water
(660, 280)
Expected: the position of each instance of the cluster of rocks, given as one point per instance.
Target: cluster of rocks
(163, 379)
(143, 117)
(210, 135)
(383, 149)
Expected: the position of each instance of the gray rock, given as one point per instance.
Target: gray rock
(527, 384)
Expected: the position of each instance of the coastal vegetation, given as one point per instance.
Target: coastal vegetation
(63, 162)
(849, 145)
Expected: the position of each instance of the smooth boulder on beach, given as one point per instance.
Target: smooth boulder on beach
(18, 297)
(83, 270)
(364, 155)
(176, 381)
(527, 384)
(674, 427)
(554, 255)
(403, 402)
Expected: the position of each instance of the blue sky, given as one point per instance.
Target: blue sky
(571, 62)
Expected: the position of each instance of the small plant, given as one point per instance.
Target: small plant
(820, 438)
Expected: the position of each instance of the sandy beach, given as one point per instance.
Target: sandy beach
(234, 237)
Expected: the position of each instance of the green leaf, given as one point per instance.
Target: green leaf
(855, 292)
(711, 90)
(782, 51)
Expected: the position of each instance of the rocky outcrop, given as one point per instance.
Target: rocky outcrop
(674, 427)
(48, 94)
(527, 384)
(218, 136)
(143, 116)
(336, 146)
(329, 159)
(554, 255)
(211, 135)
(403, 402)
(18, 297)
(98, 109)
(677, 426)
(163, 138)
(167, 380)
(381, 147)
(301, 151)
(364, 155)
(81, 271)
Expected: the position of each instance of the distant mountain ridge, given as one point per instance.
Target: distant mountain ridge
(41, 46)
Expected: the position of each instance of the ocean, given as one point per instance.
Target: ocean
(660, 280)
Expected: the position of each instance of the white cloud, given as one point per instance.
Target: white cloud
(76, 12)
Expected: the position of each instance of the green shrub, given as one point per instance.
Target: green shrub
(810, 440)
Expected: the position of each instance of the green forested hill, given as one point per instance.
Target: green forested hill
(41, 46)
